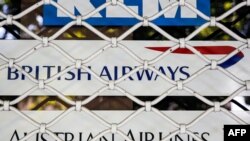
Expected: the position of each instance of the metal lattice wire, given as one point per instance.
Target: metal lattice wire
(114, 42)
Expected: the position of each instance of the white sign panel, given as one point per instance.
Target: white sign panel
(114, 63)
(146, 126)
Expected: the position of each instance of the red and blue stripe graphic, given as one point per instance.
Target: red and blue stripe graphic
(208, 50)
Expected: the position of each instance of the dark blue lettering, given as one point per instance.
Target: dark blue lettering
(37, 72)
(43, 138)
(16, 136)
(161, 69)
(178, 138)
(140, 74)
(160, 136)
(141, 136)
(71, 76)
(80, 72)
(27, 69)
(125, 70)
(12, 74)
(172, 72)
(69, 136)
(149, 136)
(80, 136)
(105, 139)
(105, 72)
(130, 135)
(59, 69)
(90, 137)
(49, 70)
(203, 136)
(115, 72)
(58, 134)
(149, 74)
(184, 70)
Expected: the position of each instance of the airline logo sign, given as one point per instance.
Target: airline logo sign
(208, 50)
(78, 126)
(115, 15)
(114, 63)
